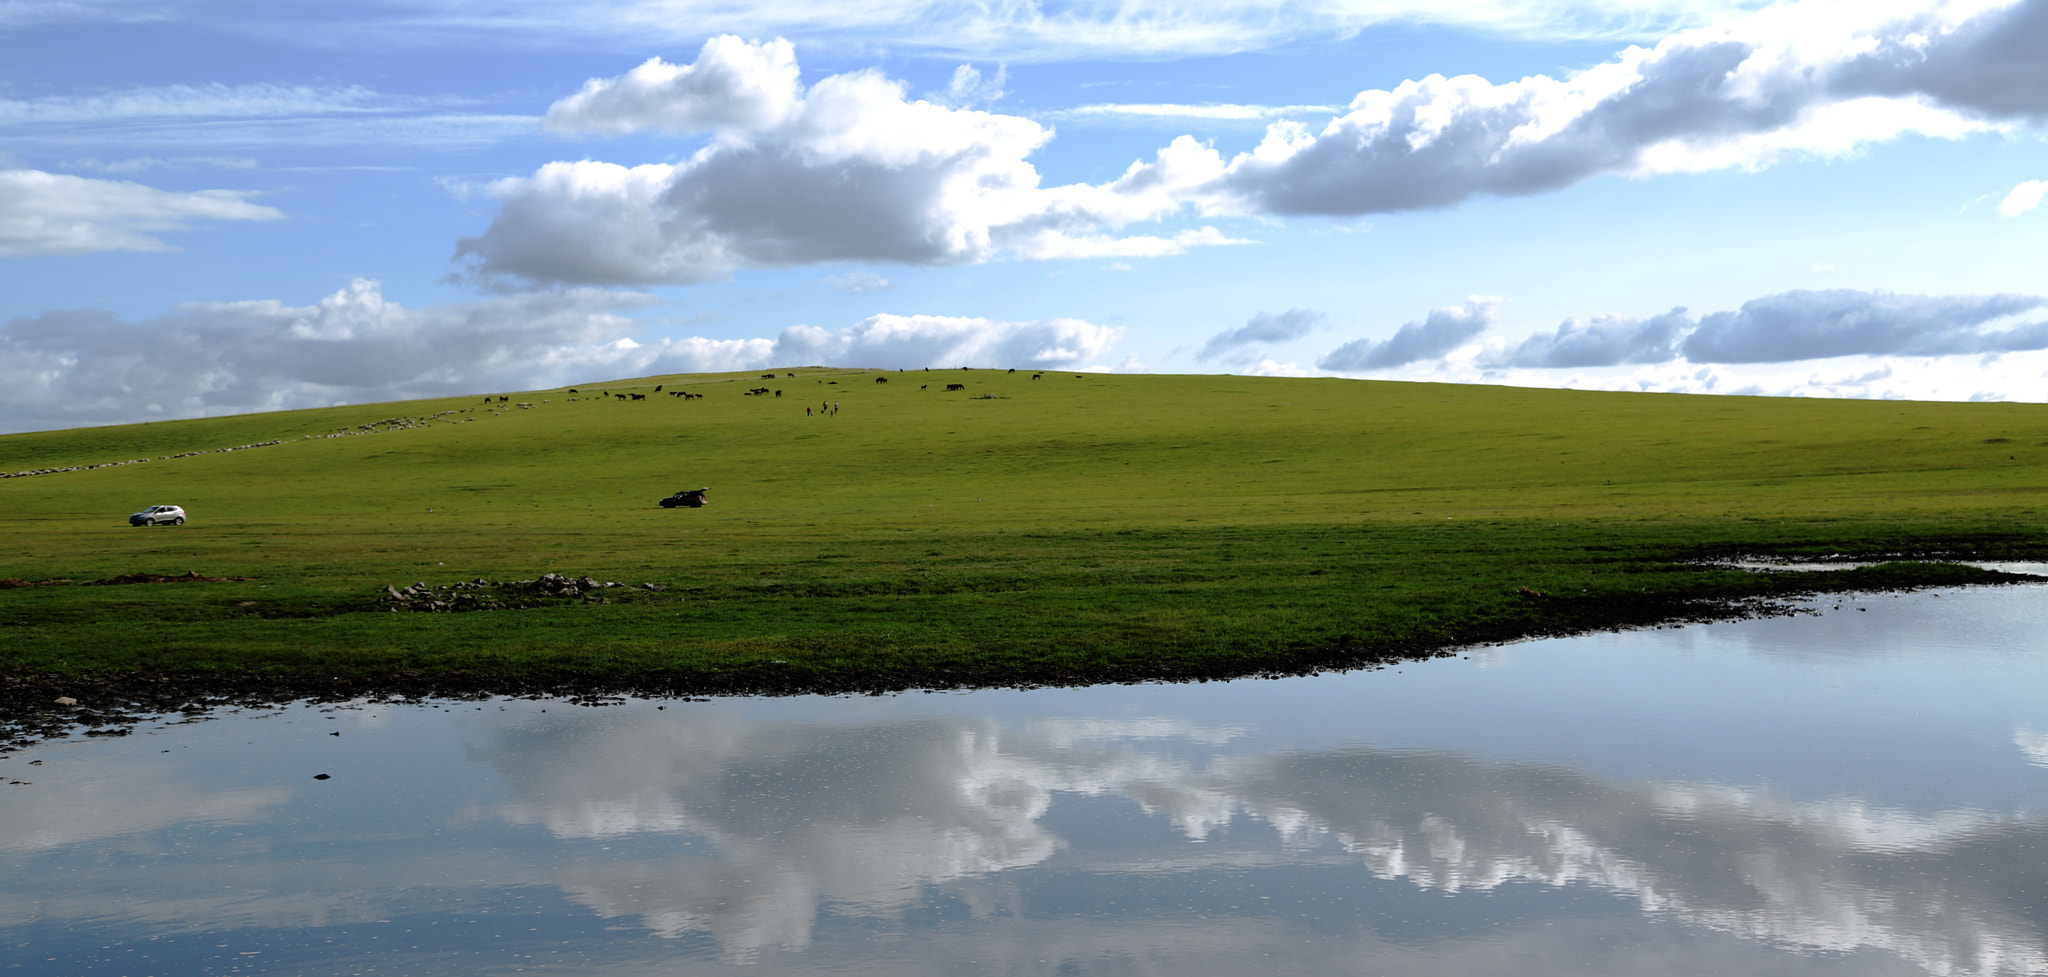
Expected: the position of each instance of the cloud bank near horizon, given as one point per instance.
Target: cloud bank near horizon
(87, 366)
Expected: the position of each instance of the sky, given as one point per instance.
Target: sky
(220, 206)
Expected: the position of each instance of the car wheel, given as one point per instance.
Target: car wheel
(178, 521)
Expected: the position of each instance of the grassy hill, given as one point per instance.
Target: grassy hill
(1059, 528)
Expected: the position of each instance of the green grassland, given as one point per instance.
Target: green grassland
(1070, 527)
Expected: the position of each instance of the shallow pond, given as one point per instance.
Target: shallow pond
(1860, 792)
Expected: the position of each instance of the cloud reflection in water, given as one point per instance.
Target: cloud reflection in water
(872, 819)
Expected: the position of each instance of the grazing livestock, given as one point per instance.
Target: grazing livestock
(638, 396)
(1035, 376)
(881, 379)
(767, 376)
(657, 388)
(956, 386)
(925, 386)
(778, 393)
(620, 396)
(792, 374)
(572, 390)
(1013, 369)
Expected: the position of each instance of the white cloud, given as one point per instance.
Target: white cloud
(251, 114)
(1605, 341)
(2032, 743)
(1208, 111)
(859, 281)
(949, 28)
(1437, 334)
(733, 88)
(1266, 327)
(19, 14)
(853, 170)
(208, 101)
(906, 342)
(138, 164)
(86, 366)
(850, 170)
(968, 87)
(53, 214)
(1804, 325)
(2023, 198)
(1791, 327)
(1816, 77)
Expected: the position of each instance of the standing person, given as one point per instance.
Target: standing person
(835, 408)
(807, 411)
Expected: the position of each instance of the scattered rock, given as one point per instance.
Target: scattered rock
(66, 701)
(483, 594)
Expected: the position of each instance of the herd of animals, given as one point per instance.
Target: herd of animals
(749, 392)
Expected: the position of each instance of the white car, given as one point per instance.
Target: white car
(158, 513)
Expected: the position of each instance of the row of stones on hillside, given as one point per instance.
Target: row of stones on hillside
(375, 427)
(488, 595)
(133, 461)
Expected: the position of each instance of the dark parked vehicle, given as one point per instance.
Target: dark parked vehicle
(158, 514)
(694, 498)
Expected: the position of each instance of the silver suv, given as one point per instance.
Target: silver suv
(157, 514)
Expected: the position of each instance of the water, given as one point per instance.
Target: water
(1864, 792)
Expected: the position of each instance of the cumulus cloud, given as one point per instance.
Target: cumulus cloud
(2023, 198)
(732, 87)
(852, 169)
(52, 214)
(1793, 326)
(1442, 331)
(1815, 77)
(849, 170)
(1266, 327)
(88, 366)
(1804, 325)
(1605, 341)
(904, 342)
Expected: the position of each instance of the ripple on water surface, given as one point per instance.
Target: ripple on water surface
(1862, 792)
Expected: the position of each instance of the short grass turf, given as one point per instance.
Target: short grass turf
(1023, 528)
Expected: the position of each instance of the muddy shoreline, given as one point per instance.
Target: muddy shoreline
(114, 704)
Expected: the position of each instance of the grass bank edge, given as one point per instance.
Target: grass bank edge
(1248, 619)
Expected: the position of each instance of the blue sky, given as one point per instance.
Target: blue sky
(215, 207)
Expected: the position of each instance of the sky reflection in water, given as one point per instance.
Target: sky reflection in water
(1860, 793)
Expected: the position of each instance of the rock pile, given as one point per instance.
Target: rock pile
(497, 595)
